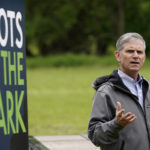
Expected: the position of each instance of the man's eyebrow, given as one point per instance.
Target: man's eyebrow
(133, 49)
(130, 50)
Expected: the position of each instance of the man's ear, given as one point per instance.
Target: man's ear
(117, 55)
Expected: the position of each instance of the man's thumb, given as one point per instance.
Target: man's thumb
(118, 106)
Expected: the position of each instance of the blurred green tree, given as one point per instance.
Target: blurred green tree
(87, 26)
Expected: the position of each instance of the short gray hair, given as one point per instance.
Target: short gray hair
(128, 37)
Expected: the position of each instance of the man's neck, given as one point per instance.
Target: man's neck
(134, 75)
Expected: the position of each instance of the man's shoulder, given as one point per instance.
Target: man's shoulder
(105, 80)
(105, 87)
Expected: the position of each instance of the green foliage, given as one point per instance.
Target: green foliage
(49, 20)
(69, 60)
(89, 27)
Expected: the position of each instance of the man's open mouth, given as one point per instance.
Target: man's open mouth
(134, 62)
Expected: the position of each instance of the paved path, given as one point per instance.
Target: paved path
(73, 142)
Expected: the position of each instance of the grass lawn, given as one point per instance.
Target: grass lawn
(60, 99)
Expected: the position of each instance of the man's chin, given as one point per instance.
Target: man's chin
(134, 70)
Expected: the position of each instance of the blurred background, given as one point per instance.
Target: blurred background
(69, 43)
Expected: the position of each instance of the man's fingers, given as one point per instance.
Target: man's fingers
(127, 115)
(120, 113)
(132, 118)
(118, 106)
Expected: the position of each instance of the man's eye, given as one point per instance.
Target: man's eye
(130, 51)
(140, 52)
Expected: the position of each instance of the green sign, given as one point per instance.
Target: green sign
(13, 90)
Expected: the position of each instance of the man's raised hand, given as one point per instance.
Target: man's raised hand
(123, 119)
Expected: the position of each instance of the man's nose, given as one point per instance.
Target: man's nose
(135, 54)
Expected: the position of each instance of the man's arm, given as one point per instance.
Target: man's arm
(104, 127)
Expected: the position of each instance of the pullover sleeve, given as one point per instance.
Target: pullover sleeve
(103, 128)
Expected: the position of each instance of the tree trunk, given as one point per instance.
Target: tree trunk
(101, 48)
(121, 17)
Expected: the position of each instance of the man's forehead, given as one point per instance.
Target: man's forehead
(134, 43)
